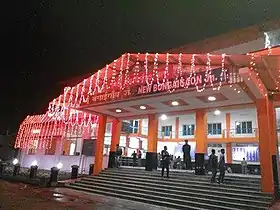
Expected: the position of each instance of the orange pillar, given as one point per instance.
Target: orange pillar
(201, 131)
(140, 128)
(228, 143)
(151, 155)
(267, 142)
(201, 140)
(99, 145)
(115, 139)
(177, 124)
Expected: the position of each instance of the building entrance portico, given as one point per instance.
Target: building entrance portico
(147, 86)
(211, 100)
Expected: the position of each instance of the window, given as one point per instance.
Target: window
(244, 127)
(166, 130)
(188, 130)
(50, 150)
(108, 128)
(214, 128)
(33, 147)
(133, 126)
(69, 147)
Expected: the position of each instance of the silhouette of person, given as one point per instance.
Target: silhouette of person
(165, 161)
(222, 166)
(187, 155)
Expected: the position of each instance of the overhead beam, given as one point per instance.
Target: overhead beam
(247, 90)
(229, 61)
(269, 72)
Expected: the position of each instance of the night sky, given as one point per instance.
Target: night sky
(46, 42)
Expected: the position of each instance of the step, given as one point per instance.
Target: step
(137, 198)
(183, 177)
(177, 193)
(166, 185)
(187, 174)
(186, 181)
(245, 176)
(196, 185)
(159, 199)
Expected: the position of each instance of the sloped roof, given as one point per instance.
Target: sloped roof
(228, 39)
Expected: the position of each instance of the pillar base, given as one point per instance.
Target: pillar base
(112, 158)
(199, 164)
(275, 176)
(151, 161)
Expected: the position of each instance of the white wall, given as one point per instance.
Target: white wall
(248, 114)
(49, 161)
(187, 119)
(211, 118)
(241, 115)
(171, 120)
(144, 127)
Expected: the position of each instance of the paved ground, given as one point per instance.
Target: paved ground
(14, 196)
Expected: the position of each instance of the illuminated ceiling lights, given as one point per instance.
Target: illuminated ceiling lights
(118, 110)
(174, 103)
(143, 107)
(211, 98)
(163, 117)
(217, 112)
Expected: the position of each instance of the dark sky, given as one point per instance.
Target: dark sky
(44, 42)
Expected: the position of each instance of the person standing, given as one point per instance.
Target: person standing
(243, 166)
(187, 155)
(165, 161)
(213, 162)
(222, 167)
(139, 158)
(118, 157)
(134, 156)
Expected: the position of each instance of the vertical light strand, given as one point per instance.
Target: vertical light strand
(120, 78)
(146, 77)
(156, 68)
(223, 73)
(136, 72)
(165, 79)
(126, 75)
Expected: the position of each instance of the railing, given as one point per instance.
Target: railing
(232, 133)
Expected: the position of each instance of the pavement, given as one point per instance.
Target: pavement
(15, 196)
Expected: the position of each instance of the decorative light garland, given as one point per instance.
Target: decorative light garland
(136, 72)
(120, 78)
(126, 80)
(146, 78)
(156, 68)
(165, 79)
(223, 73)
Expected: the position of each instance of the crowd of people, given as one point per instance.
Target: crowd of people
(167, 161)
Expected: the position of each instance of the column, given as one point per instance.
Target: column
(99, 145)
(228, 143)
(201, 140)
(151, 156)
(140, 128)
(267, 144)
(115, 139)
(177, 124)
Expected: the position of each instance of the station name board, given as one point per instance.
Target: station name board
(187, 81)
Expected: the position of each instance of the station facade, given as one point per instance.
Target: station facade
(218, 93)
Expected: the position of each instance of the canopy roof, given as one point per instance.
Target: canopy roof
(142, 68)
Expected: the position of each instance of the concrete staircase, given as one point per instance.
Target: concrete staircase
(181, 191)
